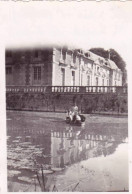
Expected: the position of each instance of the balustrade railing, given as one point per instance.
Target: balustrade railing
(26, 89)
(66, 89)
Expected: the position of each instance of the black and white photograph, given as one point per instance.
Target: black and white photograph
(64, 97)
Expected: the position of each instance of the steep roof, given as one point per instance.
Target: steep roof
(102, 61)
(96, 58)
(112, 64)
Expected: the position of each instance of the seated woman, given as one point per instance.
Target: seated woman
(75, 114)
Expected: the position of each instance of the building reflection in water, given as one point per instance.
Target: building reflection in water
(60, 148)
(71, 145)
(31, 144)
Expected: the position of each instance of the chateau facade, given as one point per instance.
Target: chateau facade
(60, 66)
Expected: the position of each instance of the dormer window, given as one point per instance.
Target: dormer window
(80, 51)
(106, 63)
(64, 55)
(87, 54)
(74, 58)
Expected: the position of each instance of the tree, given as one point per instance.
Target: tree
(114, 56)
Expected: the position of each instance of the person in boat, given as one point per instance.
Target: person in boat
(75, 114)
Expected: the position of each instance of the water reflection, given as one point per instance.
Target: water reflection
(61, 147)
(70, 145)
(56, 148)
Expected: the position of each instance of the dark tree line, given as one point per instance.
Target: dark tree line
(114, 56)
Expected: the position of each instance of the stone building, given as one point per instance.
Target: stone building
(60, 66)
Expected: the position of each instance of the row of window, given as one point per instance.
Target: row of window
(74, 57)
(64, 52)
(37, 76)
(36, 71)
(103, 82)
(73, 79)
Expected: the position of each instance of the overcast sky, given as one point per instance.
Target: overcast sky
(82, 24)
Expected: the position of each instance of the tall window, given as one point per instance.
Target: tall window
(37, 73)
(63, 76)
(107, 82)
(115, 75)
(81, 79)
(88, 80)
(8, 70)
(73, 78)
(102, 82)
(97, 81)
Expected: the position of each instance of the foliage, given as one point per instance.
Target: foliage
(103, 103)
(86, 104)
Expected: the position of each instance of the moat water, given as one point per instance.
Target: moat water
(93, 157)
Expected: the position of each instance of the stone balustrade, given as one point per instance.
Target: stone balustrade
(67, 89)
